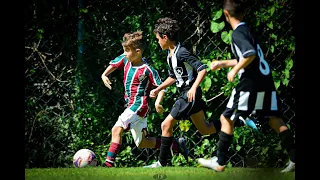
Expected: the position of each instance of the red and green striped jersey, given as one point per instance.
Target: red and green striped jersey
(138, 82)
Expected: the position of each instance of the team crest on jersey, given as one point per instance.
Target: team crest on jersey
(179, 70)
(141, 77)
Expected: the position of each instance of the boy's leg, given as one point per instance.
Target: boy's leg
(225, 139)
(166, 139)
(140, 135)
(197, 110)
(240, 105)
(199, 120)
(123, 124)
(286, 138)
(115, 145)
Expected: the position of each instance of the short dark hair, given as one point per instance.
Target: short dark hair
(167, 26)
(134, 40)
(236, 8)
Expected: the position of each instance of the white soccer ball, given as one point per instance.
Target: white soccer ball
(83, 158)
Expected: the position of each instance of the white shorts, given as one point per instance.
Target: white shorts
(137, 125)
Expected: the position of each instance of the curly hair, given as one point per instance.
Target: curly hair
(167, 26)
(134, 40)
(236, 8)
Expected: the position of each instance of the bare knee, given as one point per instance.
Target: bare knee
(165, 126)
(226, 124)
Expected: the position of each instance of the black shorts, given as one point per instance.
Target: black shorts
(182, 109)
(246, 98)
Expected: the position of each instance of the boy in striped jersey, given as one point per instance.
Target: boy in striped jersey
(187, 71)
(139, 79)
(255, 92)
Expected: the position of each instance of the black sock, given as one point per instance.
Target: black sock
(165, 149)
(223, 146)
(287, 143)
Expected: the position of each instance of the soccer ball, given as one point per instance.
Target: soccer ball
(83, 158)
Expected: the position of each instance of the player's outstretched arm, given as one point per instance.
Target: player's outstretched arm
(216, 65)
(105, 74)
(168, 82)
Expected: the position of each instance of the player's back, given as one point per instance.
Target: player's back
(245, 44)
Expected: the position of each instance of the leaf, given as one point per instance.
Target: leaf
(265, 150)
(287, 73)
(289, 64)
(285, 82)
(225, 37)
(277, 84)
(238, 147)
(184, 125)
(174, 89)
(217, 15)
(205, 142)
(270, 25)
(207, 83)
(272, 10)
(272, 48)
(216, 27)
(244, 140)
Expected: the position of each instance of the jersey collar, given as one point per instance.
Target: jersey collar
(241, 23)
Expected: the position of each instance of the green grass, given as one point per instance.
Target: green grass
(171, 173)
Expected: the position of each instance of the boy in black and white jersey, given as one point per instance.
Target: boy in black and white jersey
(255, 92)
(187, 71)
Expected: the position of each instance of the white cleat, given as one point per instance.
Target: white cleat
(211, 163)
(291, 166)
(153, 165)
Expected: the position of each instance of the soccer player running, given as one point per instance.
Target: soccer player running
(139, 79)
(187, 71)
(254, 93)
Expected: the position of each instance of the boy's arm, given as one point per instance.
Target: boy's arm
(105, 74)
(159, 107)
(242, 64)
(200, 77)
(168, 82)
(216, 65)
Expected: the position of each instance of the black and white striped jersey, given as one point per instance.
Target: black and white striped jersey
(184, 67)
(243, 45)
(256, 91)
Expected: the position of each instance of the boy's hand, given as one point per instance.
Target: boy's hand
(192, 94)
(153, 93)
(231, 75)
(106, 82)
(215, 65)
(159, 108)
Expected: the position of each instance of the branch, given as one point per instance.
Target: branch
(215, 97)
(43, 57)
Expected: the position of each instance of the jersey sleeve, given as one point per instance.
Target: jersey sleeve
(154, 77)
(118, 62)
(245, 43)
(191, 59)
(171, 74)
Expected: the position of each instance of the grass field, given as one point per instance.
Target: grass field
(167, 173)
